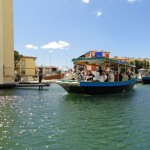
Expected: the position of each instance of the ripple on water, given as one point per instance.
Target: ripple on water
(52, 119)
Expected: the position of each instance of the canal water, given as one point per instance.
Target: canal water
(51, 119)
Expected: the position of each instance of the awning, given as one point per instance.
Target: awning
(99, 61)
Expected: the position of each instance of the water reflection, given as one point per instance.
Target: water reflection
(53, 119)
(106, 97)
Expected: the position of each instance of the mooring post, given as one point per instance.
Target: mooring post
(40, 87)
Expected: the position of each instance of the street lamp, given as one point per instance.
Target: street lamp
(50, 61)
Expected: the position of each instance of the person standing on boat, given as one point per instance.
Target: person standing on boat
(71, 75)
(100, 71)
(66, 75)
(40, 75)
(120, 76)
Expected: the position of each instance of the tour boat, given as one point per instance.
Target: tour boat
(95, 87)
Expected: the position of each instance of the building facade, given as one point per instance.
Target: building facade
(49, 70)
(27, 66)
(93, 54)
(6, 42)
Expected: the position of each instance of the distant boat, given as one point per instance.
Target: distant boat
(146, 77)
(96, 87)
(51, 77)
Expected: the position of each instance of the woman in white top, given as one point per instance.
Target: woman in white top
(103, 77)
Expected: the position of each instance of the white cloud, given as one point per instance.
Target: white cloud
(133, 1)
(98, 13)
(86, 1)
(30, 46)
(56, 45)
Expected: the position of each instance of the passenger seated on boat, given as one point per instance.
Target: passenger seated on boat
(89, 76)
(130, 75)
(148, 73)
(82, 75)
(111, 77)
(107, 76)
(97, 75)
(78, 75)
(118, 77)
(66, 76)
(125, 77)
(69, 75)
(100, 71)
(103, 77)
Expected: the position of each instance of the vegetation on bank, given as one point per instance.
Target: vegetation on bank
(140, 64)
(17, 57)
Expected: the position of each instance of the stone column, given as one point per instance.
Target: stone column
(6, 42)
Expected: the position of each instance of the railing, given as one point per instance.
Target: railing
(25, 74)
(30, 74)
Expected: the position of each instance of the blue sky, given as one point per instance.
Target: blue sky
(55, 31)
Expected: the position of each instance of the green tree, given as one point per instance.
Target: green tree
(17, 57)
(145, 64)
(140, 64)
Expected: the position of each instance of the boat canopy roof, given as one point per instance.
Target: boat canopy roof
(97, 61)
